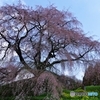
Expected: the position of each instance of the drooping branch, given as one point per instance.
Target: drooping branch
(73, 59)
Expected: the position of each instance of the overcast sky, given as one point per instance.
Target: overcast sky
(86, 11)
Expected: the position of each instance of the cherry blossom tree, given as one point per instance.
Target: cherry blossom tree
(8, 73)
(43, 38)
(92, 75)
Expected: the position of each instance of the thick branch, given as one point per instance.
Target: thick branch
(73, 59)
(5, 37)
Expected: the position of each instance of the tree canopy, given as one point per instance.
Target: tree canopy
(43, 37)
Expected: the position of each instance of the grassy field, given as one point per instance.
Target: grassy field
(66, 94)
(82, 94)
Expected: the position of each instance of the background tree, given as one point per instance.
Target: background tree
(43, 39)
(70, 83)
(92, 75)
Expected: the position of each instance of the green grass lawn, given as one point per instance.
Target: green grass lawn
(66, 94)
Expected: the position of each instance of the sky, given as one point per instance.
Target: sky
(86, 11)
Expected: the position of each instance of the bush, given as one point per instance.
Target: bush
(92, 88)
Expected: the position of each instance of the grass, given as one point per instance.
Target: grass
(66, 95)
(7, 98)
(40, 97)
(92, 88)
